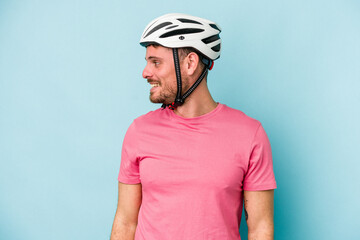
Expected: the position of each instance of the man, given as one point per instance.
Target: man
(187, 167)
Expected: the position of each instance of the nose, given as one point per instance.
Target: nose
(146, 72)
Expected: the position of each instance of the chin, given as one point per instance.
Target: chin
(155, 100)
(161, 99)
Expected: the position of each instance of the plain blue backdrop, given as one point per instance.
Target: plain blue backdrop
(70, 85)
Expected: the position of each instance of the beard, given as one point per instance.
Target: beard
(167, 94)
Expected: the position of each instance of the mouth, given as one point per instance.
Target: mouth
(154, 86)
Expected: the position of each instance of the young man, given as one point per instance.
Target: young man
(187, 167)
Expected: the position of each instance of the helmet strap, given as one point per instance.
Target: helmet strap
(179, 100)
(178, 76)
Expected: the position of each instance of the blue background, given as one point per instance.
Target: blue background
(70, 85)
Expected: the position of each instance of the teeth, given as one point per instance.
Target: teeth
(154, 85)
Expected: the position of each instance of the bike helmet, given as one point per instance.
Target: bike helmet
(178, 30)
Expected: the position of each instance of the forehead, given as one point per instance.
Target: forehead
(158, 52)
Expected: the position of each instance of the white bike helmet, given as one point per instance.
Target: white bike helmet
(178, 30)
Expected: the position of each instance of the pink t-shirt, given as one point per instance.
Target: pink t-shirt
(193, 172)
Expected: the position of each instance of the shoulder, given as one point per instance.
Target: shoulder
(147, 119)
(239, 119)
(151, 115)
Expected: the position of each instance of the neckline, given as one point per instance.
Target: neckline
(198, 118)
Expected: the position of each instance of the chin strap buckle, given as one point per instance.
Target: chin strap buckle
(173, 105)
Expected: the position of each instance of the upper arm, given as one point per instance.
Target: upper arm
(129, 202)
(259, 210)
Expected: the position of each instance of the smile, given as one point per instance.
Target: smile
(154, 84)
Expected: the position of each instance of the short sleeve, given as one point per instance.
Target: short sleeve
(129, 164)
(260, 174)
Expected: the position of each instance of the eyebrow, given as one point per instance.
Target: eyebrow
(153, 57)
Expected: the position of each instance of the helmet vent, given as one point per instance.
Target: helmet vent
(181, 32)
(161, 25)
(214, 26)
(211, 39)
(185, 20)
(171, 27)
(149, 28)
(216, 48)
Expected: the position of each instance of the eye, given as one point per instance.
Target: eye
(156, 63)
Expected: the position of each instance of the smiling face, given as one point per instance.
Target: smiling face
(160, 73)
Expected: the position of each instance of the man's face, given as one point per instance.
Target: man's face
(160, 73)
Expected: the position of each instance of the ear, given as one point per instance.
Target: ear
(191, 63)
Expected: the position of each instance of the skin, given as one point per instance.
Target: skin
(160, 69)
(259, 213)
(126, 216)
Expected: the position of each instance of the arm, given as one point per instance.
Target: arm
(259, 214)
(129, 202)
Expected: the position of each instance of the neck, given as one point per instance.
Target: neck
(198, 103)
